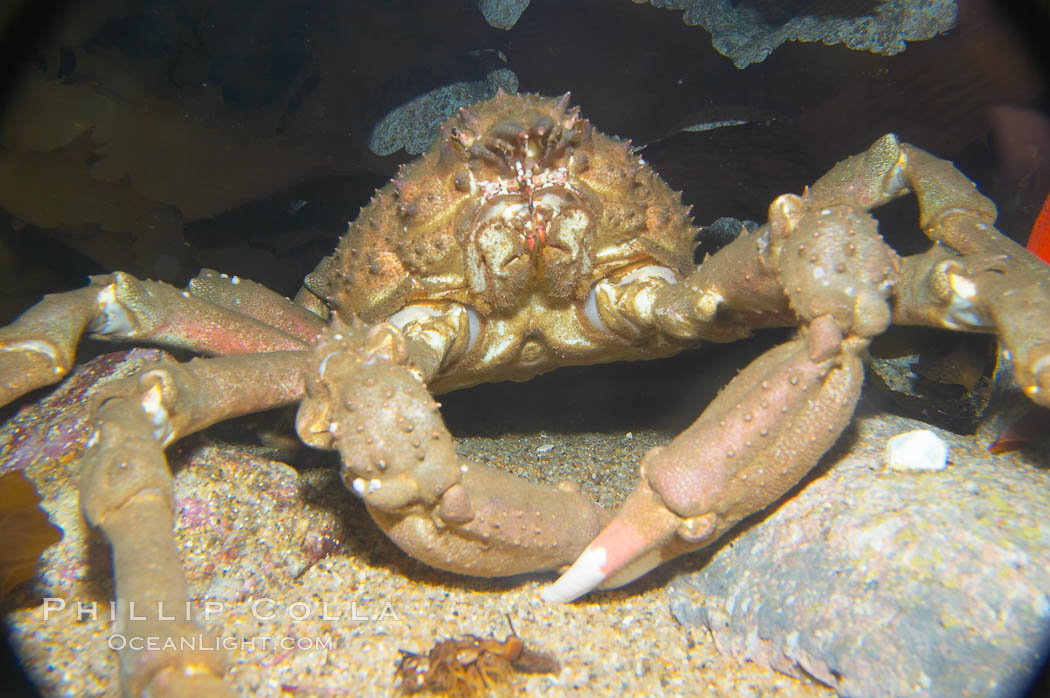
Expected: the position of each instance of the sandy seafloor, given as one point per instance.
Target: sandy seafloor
(251, 527)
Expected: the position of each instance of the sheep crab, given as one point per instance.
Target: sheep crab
(521, 241)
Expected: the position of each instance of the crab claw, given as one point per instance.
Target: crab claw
(634, 543)
(756, 440)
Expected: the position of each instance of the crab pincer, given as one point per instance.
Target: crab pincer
(762, 433)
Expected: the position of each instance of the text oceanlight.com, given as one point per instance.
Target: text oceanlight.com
(205, 643)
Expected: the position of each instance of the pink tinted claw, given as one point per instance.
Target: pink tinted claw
(634, 543)
(763, 432)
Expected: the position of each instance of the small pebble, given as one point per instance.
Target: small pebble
(916, 450)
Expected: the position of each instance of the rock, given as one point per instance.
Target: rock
(885, 583)
(502, 14)
(916, 450)
(946, 379)
(414, 125)
(747, 32)
(53, 431)
(716, 235)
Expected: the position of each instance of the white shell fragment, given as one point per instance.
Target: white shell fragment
(916, 450)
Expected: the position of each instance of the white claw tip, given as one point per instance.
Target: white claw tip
(583, 576)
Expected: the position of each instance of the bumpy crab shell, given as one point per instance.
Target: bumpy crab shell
(582, 204)
(524, 241)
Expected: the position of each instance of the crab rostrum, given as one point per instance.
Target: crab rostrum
(524, 240)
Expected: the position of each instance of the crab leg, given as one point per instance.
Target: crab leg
(829, 268)
(257, 301)
(763, 432)
(399, 457)
(1005, 293)
(974, 278)
(38, 348)
(126, 490)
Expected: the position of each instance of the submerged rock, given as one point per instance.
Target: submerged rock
(879, 582)
(748, 31)
(502, 14)
(414, 125)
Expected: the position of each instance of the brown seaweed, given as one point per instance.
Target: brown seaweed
(27, 530)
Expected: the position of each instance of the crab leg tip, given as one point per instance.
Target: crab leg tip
(583, 576)
(627, 548)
